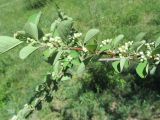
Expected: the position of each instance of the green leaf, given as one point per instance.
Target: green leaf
(74, 54)
(57, 57)
(116, 66)
(117, 40)
(7, 43)
(106, 47)
(140, 36)
(81, 69)
(147, 68)
(32, 30)
(64, 28)
(137, 45)
(91, 48)
(122, 63)
(64, 78)
(90, 34)
(48, 53)
(153, 70)
(35, 18)
(54, 26)
(157, 42)
(76, 61)
(26, 51)
(57, 67)
(140, 69)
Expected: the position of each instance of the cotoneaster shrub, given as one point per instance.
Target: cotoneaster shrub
(69, 52)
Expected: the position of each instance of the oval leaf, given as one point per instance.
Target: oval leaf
(122, 63)
(7, 43)
(115, 66)
(140, 68)
(32, 30)
(117, 40)
(57, 57)
(90, 34)
(140, 36)
(26, 51)
(80, 69)
(64, 28)
(35, 18)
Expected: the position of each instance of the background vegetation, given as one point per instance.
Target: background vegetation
(98, 95)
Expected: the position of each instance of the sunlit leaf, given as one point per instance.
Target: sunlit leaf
(153, 70)
(122, 63)
(140, 69)
(116, 66)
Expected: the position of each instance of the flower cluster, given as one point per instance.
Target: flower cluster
(150, 45)
(142, 57)
(157, 57)
(84, 49)
(30, 40)
(105, 42)
(124, 48)
(52, 41)
(69, 58)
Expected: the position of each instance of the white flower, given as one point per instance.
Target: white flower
(108, 40)
(51, 39)
(141, 60)
(120, 49)
(69, 58)
(104, 42)
(84, 49)
(157, 58)
(130, 43)
(48, 35)
(15, 35)
(77, 35)
(57, 38)
(152, 43)
(44, 38)
(101, 45)
(141, 53)
(26, 105)
(49, 44)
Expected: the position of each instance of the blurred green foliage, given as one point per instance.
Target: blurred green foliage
(36, 3)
